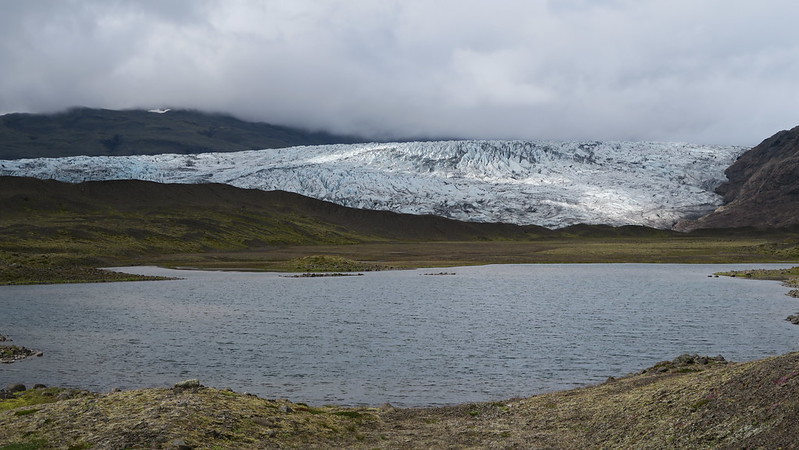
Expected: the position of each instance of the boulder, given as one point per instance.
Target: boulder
(193, 383)
(18, 387)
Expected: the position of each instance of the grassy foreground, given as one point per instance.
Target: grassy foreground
(685, 404)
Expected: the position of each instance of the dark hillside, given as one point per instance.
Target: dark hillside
(93, 132)
(763, 187)
(154, 217)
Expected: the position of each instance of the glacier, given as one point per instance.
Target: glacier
(552, 184)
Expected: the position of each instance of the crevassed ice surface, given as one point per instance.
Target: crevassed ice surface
(541, 183)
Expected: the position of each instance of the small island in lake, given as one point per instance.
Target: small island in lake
(10, 353)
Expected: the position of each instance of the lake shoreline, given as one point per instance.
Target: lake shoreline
(688, 402)
(26, 276)
(43, 266)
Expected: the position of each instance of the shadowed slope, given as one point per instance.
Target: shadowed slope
(152, 217)
(763, 187)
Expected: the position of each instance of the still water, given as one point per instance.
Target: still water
(485, 333)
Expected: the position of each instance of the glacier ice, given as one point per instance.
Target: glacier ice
(553, 184)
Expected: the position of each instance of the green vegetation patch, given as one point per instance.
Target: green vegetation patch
(30, 445)
(791, 274)
(19, 268)
(31, 397)
(328, 263)
(789, 277)
(349, 414)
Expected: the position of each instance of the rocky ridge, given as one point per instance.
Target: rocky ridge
(762, 190)
(89, 131)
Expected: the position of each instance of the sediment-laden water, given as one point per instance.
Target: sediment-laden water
(484, 333)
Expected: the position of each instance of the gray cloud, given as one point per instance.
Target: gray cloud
(712, 71)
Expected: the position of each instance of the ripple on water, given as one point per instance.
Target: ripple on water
(486, 333)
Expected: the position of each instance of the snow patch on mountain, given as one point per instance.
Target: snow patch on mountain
(543, 183)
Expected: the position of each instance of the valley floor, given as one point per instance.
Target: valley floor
(542, 251)
(34, 266)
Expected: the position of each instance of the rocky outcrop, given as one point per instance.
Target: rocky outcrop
(763, 188)
(11, 353)
(685, 363)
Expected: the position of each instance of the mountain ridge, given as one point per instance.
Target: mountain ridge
(94, 132)
(762, 189)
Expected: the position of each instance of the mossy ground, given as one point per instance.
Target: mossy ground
(699, 250)
(329, 263)
(38, 272)
(35, 265)
(749, 405)
(789, 277)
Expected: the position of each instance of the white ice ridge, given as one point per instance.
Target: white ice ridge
(542, 183)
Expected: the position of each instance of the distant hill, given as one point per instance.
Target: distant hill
(93, 132)
(763, 187)
(106, 218)
(101, 219)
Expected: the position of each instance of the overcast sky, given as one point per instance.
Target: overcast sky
(704, 71)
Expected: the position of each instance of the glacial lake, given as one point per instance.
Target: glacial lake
(485, 333)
